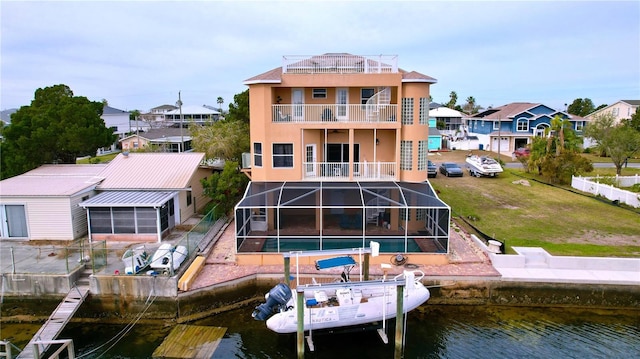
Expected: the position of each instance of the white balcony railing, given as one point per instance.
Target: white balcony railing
(334, 113)
(339, 64)
(341, 171)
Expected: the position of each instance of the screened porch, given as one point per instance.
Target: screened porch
(403, 217)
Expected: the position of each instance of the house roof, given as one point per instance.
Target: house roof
(509, 111)
(151, 171)
(5, 115)
(53, 181)
(108, 110)
(445, 112)
(129, 199)
(632, 102)
(160, 133)
(275, 75)
(164, 107)
(193, 110)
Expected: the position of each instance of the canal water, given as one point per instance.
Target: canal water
(432, 332)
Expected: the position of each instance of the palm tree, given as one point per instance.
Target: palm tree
(471, 105)
(220, 102)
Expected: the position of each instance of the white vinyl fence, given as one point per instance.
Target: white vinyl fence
(591, 185)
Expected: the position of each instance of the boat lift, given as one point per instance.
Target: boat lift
(348, 262)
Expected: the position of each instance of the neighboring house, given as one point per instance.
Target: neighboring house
(5, 115)
(620, 110)
(452, 120)
(42, 204)
(136, 197)
(167, 139)
(506, 128)
(339, 146)
(144, 195)
(191, 114)
(158, 113)
(118, 121)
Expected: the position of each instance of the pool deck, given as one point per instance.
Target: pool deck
(466, 261)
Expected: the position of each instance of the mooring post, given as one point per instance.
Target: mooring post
(399, 345)
(287, 270)
(300, 330)
(366, 266)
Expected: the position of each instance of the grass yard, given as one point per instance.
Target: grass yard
(522, 212)
(98, 159)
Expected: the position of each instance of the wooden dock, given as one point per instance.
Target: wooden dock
(190, 342)
(56, 322)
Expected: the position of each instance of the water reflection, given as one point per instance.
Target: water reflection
(432, 332)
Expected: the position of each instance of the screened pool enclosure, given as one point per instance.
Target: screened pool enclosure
(288, 216)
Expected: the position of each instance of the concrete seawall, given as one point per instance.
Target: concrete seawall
(250, 291)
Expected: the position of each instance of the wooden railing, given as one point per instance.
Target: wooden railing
(334, 113)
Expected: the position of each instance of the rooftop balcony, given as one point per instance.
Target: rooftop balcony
(339, 64)
(334, 113)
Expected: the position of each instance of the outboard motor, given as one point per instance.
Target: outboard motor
(277, 298)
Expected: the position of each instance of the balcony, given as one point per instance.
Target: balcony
(339, 64)
(334, 113)
(340, 171)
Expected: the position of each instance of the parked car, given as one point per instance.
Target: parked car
(432, 169)
(522, 152)
(450, 169)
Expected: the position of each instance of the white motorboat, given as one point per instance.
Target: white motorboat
(135, 260)
(344, 304)
(483, 166)
(168, 258)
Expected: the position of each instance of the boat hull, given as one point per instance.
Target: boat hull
(347, 306)
(483, 166)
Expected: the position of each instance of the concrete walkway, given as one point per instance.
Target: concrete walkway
(469, 259)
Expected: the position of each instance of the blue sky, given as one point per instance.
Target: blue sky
(139, 54)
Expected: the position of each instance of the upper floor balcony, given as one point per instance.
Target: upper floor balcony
(334, 113)
(339, 64)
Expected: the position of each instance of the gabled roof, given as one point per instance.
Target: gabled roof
(5, 115)
(631, 102)
(193, 110)
(164, 107)
(53, 181)
(160, 133)
(505, 112)
(445, 112)
(151, 171)
(107, 110)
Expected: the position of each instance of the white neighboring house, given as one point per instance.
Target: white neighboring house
(620, 110)
(192, 114)
(42, 204)
(118, 121)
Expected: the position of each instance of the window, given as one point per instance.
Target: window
(189, 199)
(579, 125)
(496, 125)
(615, 111)
(523, 125)
(407, 111)
(421, 214)
(257, 154)
(100, 220)
(319, 93)
(423, 148)
(424, 111)
(405, 214)
(365, 95)
(406, 150)
(146, 220)
(282, 155)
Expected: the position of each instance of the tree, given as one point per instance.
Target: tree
(220, 101)
(226, 187)
(556, 156)
(453, 98)
(580, 107)
(618, 141)
(226, 139)
(470, 107)
(57, 127)
(634, 121)
(239, 109)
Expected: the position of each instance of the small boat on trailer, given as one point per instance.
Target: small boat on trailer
(135, 260)
(340, 304)
(168, 258)
(483, 166)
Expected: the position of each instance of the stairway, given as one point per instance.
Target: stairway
(381, 98)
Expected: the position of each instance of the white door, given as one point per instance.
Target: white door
(297, 96)
(342, 107)
(14, 221)
(310, 159)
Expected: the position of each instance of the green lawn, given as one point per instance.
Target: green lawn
(98, 159)
(539, 215)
